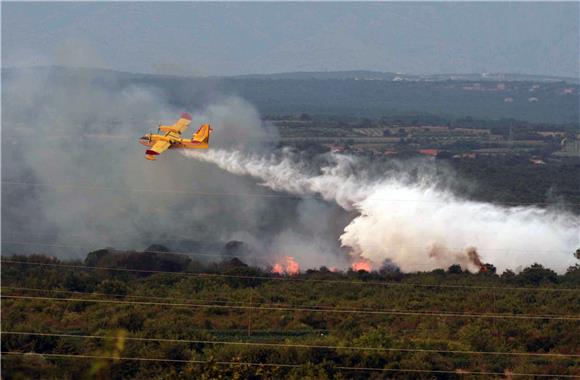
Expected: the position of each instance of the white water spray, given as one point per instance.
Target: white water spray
(417, 226)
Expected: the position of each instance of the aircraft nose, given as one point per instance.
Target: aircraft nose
(144, 140)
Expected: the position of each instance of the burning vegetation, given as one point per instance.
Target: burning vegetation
(360, 263)
(286, 265)
(468, 259)
(474, 258)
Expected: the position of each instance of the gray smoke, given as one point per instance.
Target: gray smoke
(74, 174)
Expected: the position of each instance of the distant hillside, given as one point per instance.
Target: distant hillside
(351, 74)
(379, 75)
(358, 93)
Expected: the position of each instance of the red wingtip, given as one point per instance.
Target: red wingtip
(151, 152)
(185, 115)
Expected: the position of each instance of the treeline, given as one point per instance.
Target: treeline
(409, 119)
(229, 320)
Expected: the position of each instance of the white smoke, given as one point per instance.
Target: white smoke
(417, 225)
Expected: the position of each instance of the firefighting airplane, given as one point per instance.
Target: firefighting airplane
(172, 138)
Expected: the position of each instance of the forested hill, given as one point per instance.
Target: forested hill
(366, 94)
(174, 318)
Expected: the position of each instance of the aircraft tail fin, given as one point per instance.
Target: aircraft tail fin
(202, 134)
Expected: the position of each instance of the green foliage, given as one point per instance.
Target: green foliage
(455, 269)
(114, 287)
(537, 274)
(206, 310)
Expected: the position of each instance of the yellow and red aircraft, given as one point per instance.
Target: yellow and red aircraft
(172, 138)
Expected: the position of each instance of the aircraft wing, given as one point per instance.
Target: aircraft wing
(180, 126)
(157, 148)
(183, 122)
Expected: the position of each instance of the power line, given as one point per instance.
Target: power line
(285, 278)
(50, 244)
(277, 305)
(288, 345)
(282, 365)
(573, 318)
(238, 194)
(136, 296)
(225, 302)
(56, 245)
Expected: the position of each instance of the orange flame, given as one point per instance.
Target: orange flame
(362, 264)
(287, 265)
(277, 269)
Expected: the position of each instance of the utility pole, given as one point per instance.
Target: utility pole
(494, 312)
(250, 317)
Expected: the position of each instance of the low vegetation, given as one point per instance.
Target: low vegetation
(229, 320)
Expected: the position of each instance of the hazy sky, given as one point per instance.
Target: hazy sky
(240, 38)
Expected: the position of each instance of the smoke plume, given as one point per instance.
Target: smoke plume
(74, 177)
(414, 222)
(73, 172)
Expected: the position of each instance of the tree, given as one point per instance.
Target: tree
(508, 274)
(488, 269)
(455, 269)
(537, 274)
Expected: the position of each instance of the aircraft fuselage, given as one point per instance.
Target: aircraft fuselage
(174, 139)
